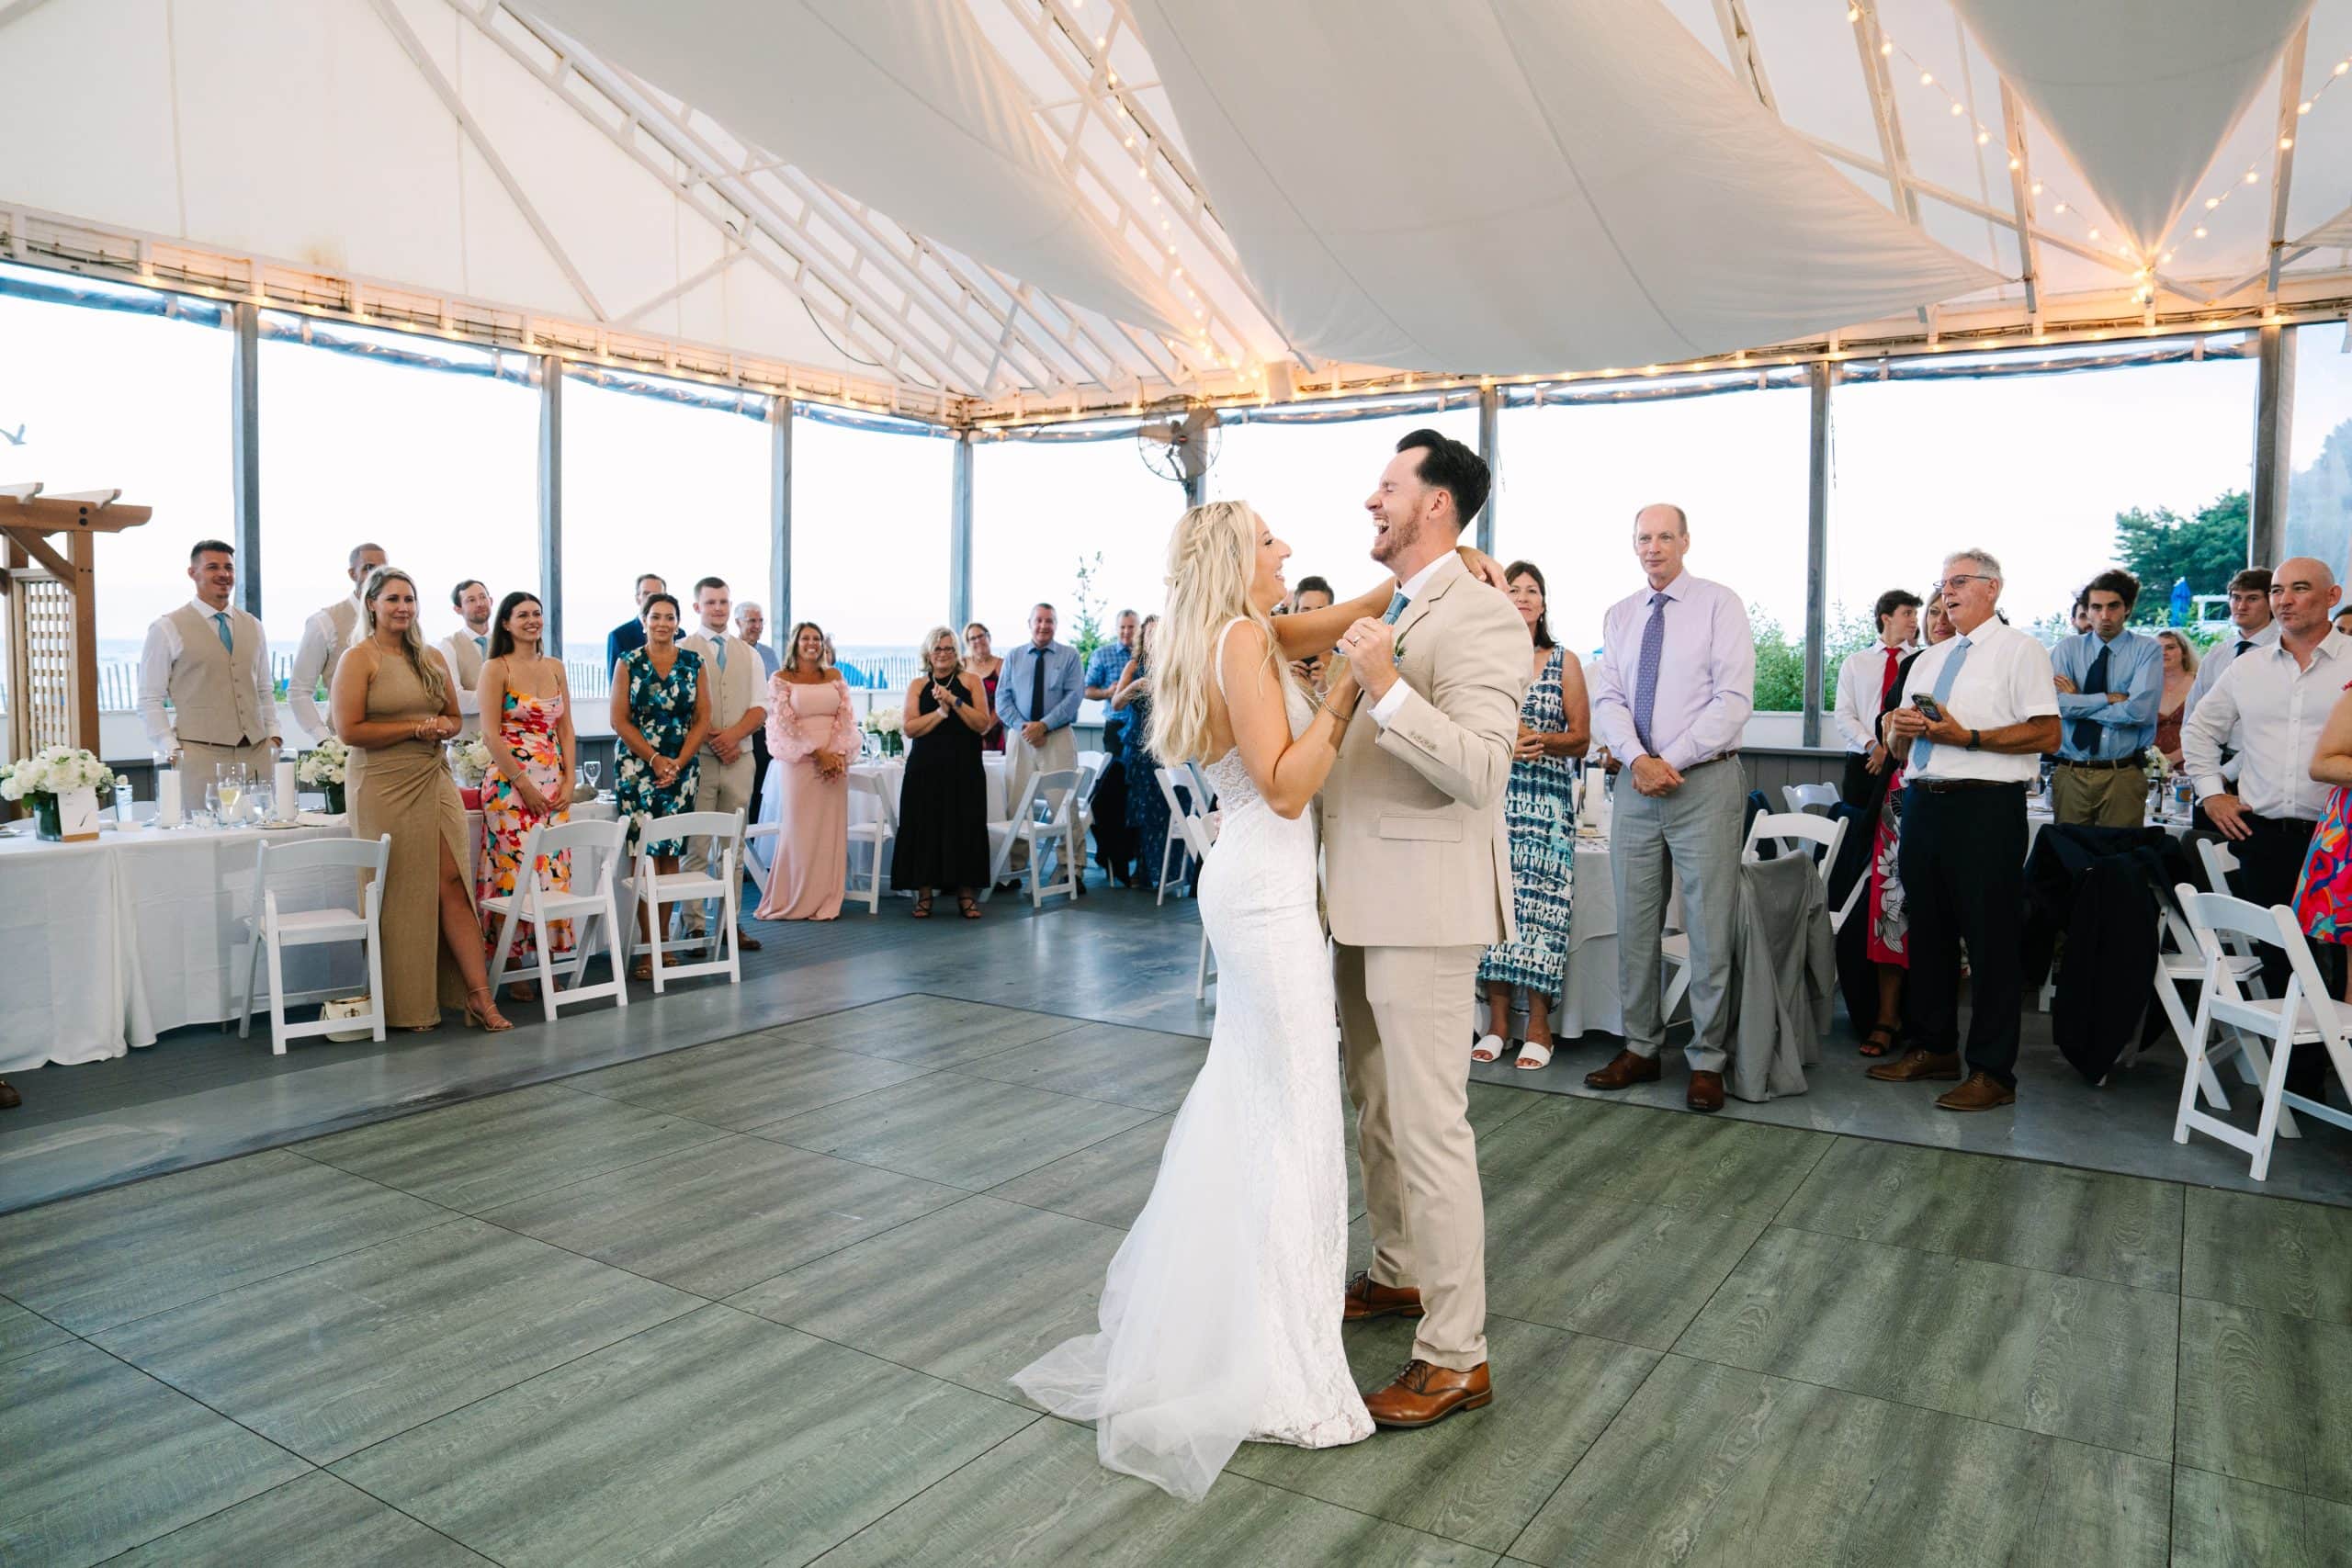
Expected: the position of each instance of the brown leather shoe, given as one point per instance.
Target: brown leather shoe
(10, 1097)
(1706, 1091)
(745, 941)
(1914, 1065)
(1983, 1091)
(1423, 1394)
(1624, 1069)
(1368, 1298)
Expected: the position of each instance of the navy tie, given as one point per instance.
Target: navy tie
(2094, 685)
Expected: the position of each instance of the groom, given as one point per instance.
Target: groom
(1418, 880)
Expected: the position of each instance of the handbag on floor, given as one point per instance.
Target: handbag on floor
(348, 1007)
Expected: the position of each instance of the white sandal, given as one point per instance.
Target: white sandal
(1533, 1055)
(1488, 1048)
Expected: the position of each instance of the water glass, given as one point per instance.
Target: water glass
(590, 768)
(213, 803)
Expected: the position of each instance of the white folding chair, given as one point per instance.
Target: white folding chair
(876, 833)
(1188, 833)
(2181, 962)
(1053, 825)
(1791, 830)
(2305, 1016)
(1810, 797)
(1204, 792)
(1090, 765)
(1004, 835)
(271, 930)
(658, 893)
(597, 851)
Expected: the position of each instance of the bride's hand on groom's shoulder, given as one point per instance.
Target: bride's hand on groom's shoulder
(1483, 567)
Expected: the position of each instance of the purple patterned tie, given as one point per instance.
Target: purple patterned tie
(1646, 672)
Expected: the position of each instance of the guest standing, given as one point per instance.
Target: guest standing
(1887, 928)
(533, 755)
(1676, 685)
(324, 636)
(1312, 594)
(1147, 807)
(2323, 892)
(1114, 843)
(751, 624)
(944, 799)
(1965, 778)
(210, 660)
(2252, 625)
(467, 649)
(2108, 681)
(661, 716)
(1864, 681)
(1037, 699)
(984, 665)
(394, 704)
(737, 682)
(812, 735)
(2172, 705)
(1539, 806)
(631, 634)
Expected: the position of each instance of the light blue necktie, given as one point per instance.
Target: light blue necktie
(721, 646)
(1645, 672)
(1923, 746)
(1396, 607)
(481, 645)
(221, 625)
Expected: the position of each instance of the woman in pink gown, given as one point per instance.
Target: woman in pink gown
(812, 736)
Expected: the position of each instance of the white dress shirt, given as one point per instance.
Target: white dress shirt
(2276, 708)
(1394, 698)
(2218, 659)
(163, 650)
(312, 659)
(2005, 681)
(1859, 679)
(1706, 677)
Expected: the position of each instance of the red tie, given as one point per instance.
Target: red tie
(1886, 682)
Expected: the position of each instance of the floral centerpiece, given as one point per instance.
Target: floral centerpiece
(325, 769)
(470, 760)
(61, 783)
(889, 727)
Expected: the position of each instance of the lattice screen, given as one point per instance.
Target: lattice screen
(41, 620)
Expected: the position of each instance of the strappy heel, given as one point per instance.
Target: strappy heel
(486, 1016)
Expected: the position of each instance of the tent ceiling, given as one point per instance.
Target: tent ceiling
(966, 209)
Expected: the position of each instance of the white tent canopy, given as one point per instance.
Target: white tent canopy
(969, 210)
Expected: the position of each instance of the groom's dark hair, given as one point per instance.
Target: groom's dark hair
(1447, 464)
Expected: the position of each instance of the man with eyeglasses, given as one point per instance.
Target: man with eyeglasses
(1974, 716)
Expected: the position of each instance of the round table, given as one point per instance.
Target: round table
(891, 773)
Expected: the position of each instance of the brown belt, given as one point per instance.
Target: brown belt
(1955, 786)
(2110, 765)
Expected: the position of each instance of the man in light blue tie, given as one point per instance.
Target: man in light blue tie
(209, 660)
(1670, 700)
(1975, 713)
(467, 649)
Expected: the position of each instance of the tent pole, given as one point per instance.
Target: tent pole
(551, 502)
(1820, 376)
(245, 452)
(959, 535)
(2274, 421)
(779, 521)
(1490, 447)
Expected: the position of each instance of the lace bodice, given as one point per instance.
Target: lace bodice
(1229, 774)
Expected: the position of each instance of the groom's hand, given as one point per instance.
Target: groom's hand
(1371, 647)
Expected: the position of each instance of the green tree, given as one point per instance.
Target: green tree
(1086, 616)
(2161, 546)
(1779, 664)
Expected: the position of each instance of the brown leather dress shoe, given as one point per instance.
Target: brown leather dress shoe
(1983, 1091)
(1706, 1091)
(745, 941)
(1624, 1069)
(1423, 1394)
(1914, 1065)
(1368, 1298)
(10, 1097)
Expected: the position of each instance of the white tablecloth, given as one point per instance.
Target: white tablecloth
(891, 773)
(106, 945)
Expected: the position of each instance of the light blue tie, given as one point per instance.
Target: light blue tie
(1395, 606)
(1923, 746)
(721, 646)
(481, 645)
(221, 625)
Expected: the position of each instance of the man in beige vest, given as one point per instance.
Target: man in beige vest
(210, 660)
(467, 649)
(1417, 883)
(324, 636)
(739, 694)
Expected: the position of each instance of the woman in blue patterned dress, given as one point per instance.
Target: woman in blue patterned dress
(660, 717)
(1147, 807)
(1555, 726)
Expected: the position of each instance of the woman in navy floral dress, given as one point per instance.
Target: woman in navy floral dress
(660, 717)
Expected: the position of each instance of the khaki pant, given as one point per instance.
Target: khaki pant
(1059, 754)
(718, 787)
(1403, 1014)
(200, 764)
(2098, 797)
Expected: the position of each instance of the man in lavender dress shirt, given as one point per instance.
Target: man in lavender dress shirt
(1670, 698)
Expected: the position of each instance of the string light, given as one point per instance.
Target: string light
(2253, 175)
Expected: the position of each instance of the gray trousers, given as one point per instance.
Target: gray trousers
(1694, 832)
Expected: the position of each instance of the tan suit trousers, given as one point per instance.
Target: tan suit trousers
(200, 764)
(1059, 754)
(718, 787)
(1404, 1019)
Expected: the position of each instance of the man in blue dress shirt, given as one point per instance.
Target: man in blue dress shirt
(1037, 697)
(2111, 681)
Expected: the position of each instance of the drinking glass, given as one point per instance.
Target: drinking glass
(213, 803)
(590, 768)
(261, 799)
(232, 789)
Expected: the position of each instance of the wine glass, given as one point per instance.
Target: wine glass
(232, 790)
(213, 803)
(590, 768)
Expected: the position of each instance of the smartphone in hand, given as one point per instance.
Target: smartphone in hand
(1928, 705)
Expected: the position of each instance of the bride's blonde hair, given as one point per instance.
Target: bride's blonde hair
(1211, 558)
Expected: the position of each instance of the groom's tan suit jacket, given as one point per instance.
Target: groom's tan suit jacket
(1416, 850)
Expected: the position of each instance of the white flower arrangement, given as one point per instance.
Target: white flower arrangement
(54, 770)
(886, 720)
(326, 765)
(470, 760)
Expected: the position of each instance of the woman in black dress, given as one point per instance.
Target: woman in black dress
(943, 802)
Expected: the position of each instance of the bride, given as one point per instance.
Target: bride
(1220, 1317)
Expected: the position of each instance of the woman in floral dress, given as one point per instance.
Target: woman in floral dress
(533, 757)
(2323, 894)
(660, 717)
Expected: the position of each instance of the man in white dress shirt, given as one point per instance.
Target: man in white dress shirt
(467, 649)
(1864, 683)
(210, 659)
(1670, 700)
(2252, 625)
(324, 636)
(1966, 773)
(738, 711)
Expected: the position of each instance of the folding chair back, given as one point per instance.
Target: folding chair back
(598, 850)
(723, 883)
(270, 930)
(1810, 796)
(876, 832)
(1004, 835)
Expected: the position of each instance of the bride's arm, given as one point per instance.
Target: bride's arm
(1287, 771)
(1305, 632)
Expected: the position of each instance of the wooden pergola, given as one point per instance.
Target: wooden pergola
(52, 611)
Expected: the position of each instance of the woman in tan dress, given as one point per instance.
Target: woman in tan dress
(394, 703)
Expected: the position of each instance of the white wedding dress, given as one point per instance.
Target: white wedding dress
(1220, 1317)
